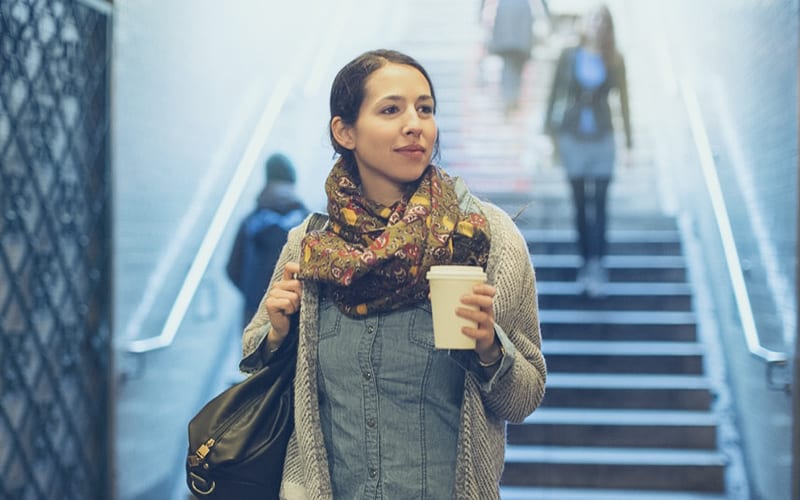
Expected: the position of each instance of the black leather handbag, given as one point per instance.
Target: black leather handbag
(237, 441)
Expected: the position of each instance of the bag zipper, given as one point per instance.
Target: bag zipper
(201, 452)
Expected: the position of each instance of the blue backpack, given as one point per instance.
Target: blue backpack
(263, 233)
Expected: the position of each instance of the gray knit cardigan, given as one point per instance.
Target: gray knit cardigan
(481, 441)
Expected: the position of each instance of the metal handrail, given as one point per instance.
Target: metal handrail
(218, 223)
(320, 60)
(708, 167)
(103, 6)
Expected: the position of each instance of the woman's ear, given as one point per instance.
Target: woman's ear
(342, 133)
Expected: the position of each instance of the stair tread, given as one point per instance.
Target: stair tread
(633, 289)
(594, 316)
(614, 261)
(614, 235)
(622, 347)
(592, 416)
(626, 381)
(528, 493)
(619, 456)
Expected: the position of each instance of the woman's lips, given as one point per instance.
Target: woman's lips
(412, 152)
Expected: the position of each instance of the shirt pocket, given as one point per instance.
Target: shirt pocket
(329, 318)
(421, 326)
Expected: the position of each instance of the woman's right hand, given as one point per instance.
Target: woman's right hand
(283, 300)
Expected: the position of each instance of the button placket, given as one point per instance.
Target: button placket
(368, 343)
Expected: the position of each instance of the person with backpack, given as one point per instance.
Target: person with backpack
(262, 234)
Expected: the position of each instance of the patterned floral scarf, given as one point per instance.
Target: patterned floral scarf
(375, 258)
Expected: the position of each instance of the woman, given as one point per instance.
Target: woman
(378, 411)
(578, 118)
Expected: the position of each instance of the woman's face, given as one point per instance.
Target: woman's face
(394, 135)
(594, 24)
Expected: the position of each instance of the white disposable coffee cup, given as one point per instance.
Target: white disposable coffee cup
(448, 284)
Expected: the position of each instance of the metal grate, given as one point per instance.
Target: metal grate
(55, 342)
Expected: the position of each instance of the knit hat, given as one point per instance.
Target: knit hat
(280, 168)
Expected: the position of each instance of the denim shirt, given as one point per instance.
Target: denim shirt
(389, 404)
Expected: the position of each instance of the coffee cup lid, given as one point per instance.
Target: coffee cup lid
(465, 272)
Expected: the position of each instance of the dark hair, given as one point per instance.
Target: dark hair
(606, 37)
(348, 89)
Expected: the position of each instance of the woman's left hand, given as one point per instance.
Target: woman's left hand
(482, 297)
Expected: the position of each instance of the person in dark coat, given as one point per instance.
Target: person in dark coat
(263, 232)
(579, 121)
(512, 40)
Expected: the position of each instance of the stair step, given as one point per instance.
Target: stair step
(620, 242)
(652, 392)
(678, 326)
(526, 493)
(617, 428)
(616, 296)
(616, 233)
(621, 268)
(683, 358)
(513, 201)
(553, 210)
(624, 468)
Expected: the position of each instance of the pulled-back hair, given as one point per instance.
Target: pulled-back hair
(606, 36)
(349, 87)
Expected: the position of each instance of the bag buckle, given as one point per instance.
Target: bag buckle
(204, 487)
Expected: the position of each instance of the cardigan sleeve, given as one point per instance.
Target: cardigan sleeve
(516, 393)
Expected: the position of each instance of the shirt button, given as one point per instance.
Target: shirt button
(370, 422)
(368, 375)
(370, 328)
(373, 473)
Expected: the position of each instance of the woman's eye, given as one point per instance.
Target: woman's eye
(426, 109)
(389, 110)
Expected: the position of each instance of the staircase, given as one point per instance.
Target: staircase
(632, 409)
(629, 411)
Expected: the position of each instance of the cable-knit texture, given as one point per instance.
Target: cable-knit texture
(481, 442)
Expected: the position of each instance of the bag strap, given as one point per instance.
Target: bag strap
(318, 221)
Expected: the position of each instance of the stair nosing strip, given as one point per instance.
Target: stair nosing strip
(615, 456)
(622, 347)
(593, 316)
(605, 416)
(626, 381)
(557, 493)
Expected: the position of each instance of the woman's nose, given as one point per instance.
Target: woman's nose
(413, 125)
